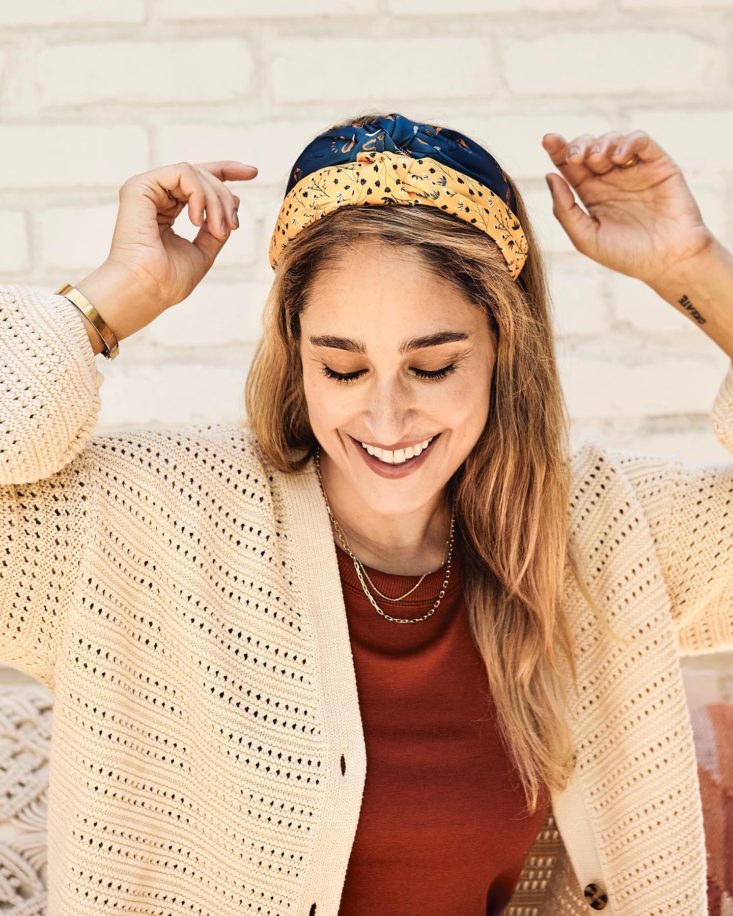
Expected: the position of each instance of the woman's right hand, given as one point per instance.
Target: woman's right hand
(149, 267)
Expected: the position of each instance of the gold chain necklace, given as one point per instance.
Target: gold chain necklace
(358, 565)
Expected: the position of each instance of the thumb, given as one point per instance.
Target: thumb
(209, 245)
(579, 226)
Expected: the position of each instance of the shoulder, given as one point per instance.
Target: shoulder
(618, 483)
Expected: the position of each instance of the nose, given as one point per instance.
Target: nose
(390, 412)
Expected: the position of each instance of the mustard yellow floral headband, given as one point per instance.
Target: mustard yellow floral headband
(393, 160)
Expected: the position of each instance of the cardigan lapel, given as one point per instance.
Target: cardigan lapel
(314, 556)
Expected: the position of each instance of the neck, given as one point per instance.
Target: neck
(406, 545)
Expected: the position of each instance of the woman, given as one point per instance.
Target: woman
(219, 610)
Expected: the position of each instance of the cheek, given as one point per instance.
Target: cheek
(324, 410)
(467, 409)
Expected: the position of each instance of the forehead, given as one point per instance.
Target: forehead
(373, 290)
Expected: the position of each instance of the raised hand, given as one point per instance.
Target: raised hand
(144, 239)
(641, 218)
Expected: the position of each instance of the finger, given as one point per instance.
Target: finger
(230, 170)
(580, 227)
(598, 156)
(572, 167)
(217, 219)
(229, 201)
(185, 183)
(181, 182)
(639, 143)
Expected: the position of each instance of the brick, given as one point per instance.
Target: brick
(74, 154)
(580, 63)
(14, 242)
(136, 394)
(467, 7)
(578, 297)
(71, 12)
(187, 10)
(697, 139)
(304, 69)
(273, 146)
(631, 384)
(182, 72)
(82, 250)
(215, 314)
(637, 307)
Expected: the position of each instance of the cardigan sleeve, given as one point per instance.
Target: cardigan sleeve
(49, 402)
(689, 508)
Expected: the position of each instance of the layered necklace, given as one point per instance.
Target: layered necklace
(362, 573)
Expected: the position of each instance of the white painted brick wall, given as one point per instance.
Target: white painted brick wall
(92, 93)
(313, 69)
(184, 72)
(613, 62)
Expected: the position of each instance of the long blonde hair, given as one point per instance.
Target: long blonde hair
(511, 493)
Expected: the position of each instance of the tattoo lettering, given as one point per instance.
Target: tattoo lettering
(689, 307)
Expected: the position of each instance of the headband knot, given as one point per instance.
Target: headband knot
(393, 160)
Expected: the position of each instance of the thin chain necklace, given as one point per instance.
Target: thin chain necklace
(359, 568)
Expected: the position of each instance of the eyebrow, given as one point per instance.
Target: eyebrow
(407, 346)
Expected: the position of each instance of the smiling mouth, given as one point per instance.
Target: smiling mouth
(405, 459)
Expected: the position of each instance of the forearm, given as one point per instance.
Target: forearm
(702, 289)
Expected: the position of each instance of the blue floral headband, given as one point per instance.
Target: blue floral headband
(393, 160)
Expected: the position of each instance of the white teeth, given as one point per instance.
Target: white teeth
(400, 455)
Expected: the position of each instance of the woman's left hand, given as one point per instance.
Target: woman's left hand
(642, 220)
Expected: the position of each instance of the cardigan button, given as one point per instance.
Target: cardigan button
(596, 896)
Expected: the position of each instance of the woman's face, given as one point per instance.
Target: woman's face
(360, 319)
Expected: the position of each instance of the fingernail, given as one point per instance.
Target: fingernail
(618, 150)
(573, 151)
(235, 218)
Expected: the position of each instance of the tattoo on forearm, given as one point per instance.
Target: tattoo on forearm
(689, 307)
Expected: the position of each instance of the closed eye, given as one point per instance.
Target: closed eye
(436, 375)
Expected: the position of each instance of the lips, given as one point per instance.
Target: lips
(392, 471)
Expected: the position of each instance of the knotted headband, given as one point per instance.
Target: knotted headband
(393, 160)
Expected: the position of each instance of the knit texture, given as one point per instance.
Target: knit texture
(182, 600)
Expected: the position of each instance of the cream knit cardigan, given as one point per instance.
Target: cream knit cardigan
(182, 601)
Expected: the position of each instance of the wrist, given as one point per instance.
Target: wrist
(682, 278)
(701, 287)
(117, 297)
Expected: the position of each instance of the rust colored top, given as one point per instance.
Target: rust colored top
(443, 826)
